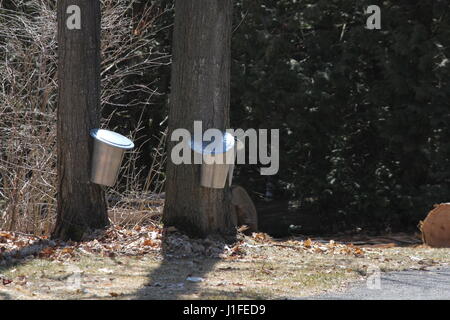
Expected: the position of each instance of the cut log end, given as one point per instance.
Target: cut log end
(436, 227)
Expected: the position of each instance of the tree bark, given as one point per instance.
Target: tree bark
(81, 204)
(200, 90)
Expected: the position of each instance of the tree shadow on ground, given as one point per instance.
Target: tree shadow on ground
(5, 296)
(22, 255)
(169, 280)
(14, 258)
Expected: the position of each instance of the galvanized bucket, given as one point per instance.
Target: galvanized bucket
(217, 164)
(109, 148)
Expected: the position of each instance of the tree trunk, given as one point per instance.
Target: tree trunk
(200, 90)
(81, 204)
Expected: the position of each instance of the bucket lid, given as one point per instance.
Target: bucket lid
(112, 138)
(226, 145)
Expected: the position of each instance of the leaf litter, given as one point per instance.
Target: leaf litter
(270, 259)
(142, 240)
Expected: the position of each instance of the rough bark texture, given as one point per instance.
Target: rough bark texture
(200, 91)
(81, 204)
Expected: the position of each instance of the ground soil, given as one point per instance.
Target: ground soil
(153, 263)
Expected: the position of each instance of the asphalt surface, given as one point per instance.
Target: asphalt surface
(405, 285)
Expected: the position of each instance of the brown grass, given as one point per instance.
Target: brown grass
(28, 97)
(264, 272)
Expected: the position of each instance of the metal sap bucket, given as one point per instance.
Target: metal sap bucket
(109, 148)
(217, 164)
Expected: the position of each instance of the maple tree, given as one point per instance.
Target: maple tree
(81, 204)
(200, 91)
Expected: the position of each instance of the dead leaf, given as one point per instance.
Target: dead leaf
(67, 250)
(20, 243)
(319, 250)
(7, 235)
(358, 251)
(331, 244)
(243, 228)
(261, 237)
(47, 252)
(308, 243)
(150, 243)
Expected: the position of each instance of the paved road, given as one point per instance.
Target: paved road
(405, 285)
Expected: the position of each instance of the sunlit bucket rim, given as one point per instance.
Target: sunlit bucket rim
(227, 145)
(112, 138)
